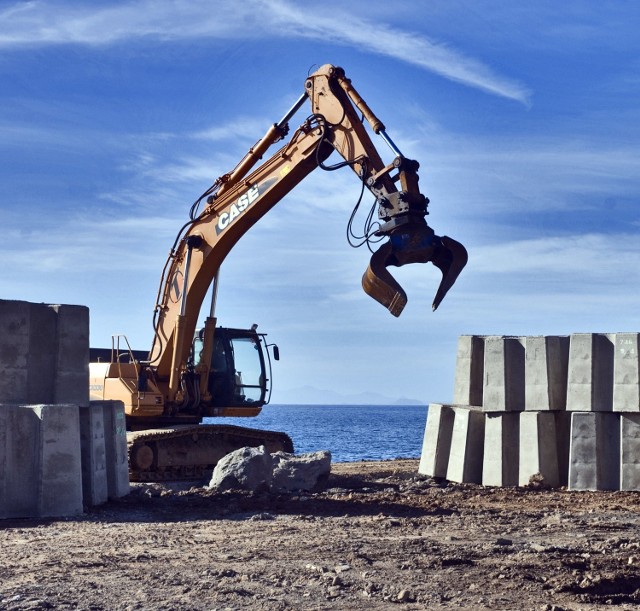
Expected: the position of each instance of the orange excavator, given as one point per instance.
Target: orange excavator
(189, 373)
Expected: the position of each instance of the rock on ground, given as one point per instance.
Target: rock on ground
(254, 469)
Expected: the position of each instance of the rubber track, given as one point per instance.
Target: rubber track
(245, 436)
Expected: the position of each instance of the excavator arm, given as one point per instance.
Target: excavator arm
(241, 198)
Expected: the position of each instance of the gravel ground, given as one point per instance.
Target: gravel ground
(380, 536)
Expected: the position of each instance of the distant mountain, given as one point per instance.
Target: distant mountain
(310, 395)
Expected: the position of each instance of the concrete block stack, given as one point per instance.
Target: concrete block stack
(562, 410)
(54, 453)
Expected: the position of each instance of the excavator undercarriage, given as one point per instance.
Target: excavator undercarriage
(191, 452)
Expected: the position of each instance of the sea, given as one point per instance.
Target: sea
(350, 432)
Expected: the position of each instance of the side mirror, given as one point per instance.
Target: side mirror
(276, 353)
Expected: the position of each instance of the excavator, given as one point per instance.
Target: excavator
(190, 374)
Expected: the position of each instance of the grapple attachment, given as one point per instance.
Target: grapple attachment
(413, 242)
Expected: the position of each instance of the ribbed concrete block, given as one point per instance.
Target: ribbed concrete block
(501, 449)
(626, 373)
(94, 466)
(116, 451)
(594, 454)
(72, 354)
(469, 370)
(546, 367)
(590, 375)
(538, 448)
(467, 446)
(504, 382)
(42, 475)
(436, 445)
(629, 451)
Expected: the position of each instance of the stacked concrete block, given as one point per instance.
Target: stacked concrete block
(45, 353)
(503, 387)
(501, 449)
(590, 377)
(467, 446)
(629, 451)
(572, 402)
(94, 459)
(595, 451)
(538, 449)
(546, 365)
(116, 451)
(626, 373)
(469, 371)
(44, 383)
(105, 473)
(40, 455)
(437, 441)
(72, 354)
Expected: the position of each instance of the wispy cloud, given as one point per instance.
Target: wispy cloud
(42, 23)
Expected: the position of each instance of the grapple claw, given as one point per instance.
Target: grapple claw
(381, 285)
(450, 259)
(415, 243)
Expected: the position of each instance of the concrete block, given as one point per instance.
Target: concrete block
(61, 475)
(629, 451)
(436, 445)
(41, 357)
(42, 475)
(590, 375)
(27, 339)
(501, 449)
(72, 354)
(546, 367)
(538, 448)
(21, 457)
(45, 353)
(504, 382)
(594, 453)
(469, 370)
(116, 451)
(626, 373)
(563, 436)
(467, 445)
(94, 468)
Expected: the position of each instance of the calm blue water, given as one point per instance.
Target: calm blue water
(350, 432)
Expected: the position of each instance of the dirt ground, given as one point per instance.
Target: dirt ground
(380, 536)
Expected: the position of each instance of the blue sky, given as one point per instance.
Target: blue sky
(115, 116)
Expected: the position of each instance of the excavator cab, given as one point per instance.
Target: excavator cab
(238, 378)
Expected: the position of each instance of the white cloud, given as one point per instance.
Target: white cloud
(596, 256)
(41, 23)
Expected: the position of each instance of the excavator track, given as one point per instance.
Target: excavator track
(191, 452)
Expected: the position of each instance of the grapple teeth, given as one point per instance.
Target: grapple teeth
(419, 245)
